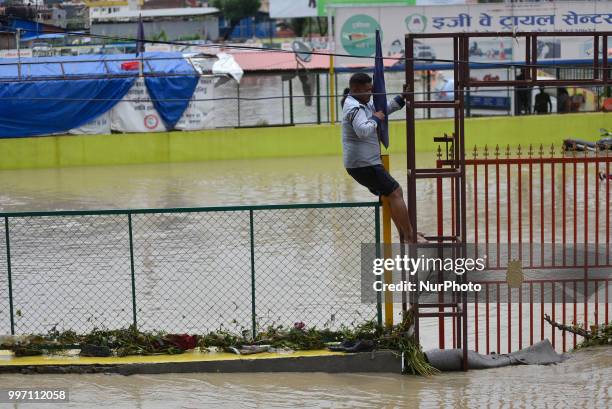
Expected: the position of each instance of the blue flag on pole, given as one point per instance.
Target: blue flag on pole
(140, 43)
(380, 93)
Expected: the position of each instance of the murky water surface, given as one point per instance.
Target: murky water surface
(583, 381)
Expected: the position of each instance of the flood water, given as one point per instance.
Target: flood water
(580, 382)
(215, 183)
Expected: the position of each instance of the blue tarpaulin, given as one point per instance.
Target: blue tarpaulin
(379, 92)
(171, 96)
(47, 107)
(42, 100)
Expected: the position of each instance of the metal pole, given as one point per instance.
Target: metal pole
(283, 98)
(18, 38)
(463, 214)
(411, 174)
(388, 277)
(377, 241)
(252, 235)
(468, 110)
(318, 100)
(332, 86)
(440, 217)
(10, 278)
(428, 92)
(331, 97)
(336, 96)
(132, 270)
(327, 98)
(291, 102)
(508, 93)
(238, 98)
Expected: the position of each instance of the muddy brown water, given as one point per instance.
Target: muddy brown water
(580, 382)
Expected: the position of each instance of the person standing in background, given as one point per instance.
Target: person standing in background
(563, 101)
(543, 104)
(523, 96)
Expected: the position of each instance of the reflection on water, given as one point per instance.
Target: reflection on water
(227, 182)
(581, 382)
(214, 183)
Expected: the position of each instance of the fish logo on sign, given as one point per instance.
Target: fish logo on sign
(416, 23)
(514, 275)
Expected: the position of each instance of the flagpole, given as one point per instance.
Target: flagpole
(379, 93)
(140, 43)
(332, 74)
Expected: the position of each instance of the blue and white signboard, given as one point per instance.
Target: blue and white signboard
(355, 25)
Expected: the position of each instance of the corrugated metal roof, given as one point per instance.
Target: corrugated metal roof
(151, 13)
(92, 66)
(284, 61)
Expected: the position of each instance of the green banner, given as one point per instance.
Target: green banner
(323, 4)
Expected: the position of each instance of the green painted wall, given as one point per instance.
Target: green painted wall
(74, 150)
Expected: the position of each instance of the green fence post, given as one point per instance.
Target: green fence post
(132, 270)
(377, 241)
(291, 119)
(318, 100)
(252, 234)
(10, 278)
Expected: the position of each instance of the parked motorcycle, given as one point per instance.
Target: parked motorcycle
(603, 144)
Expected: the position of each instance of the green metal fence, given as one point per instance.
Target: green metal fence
(185, 269)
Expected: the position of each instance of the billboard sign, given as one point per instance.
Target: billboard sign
(354, 27)
(314, 8)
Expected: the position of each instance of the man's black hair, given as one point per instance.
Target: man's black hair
(360, 78)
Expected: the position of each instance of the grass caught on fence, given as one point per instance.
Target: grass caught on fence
(131, 341)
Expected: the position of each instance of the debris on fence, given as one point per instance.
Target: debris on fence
(597, 335)
(279, 339)
(540, 353)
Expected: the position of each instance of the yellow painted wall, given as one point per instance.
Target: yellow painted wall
(308, 140)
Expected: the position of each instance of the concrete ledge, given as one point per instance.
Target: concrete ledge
(377, 361)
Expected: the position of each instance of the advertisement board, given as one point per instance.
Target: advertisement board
(136, 112)
(355, 28)
(314, 8)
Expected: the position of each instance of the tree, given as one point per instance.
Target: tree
(303, 27)
(235, 10)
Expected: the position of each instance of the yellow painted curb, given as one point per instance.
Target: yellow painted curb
(8, 359)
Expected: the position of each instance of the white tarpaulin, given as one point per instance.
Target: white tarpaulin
(198, 114)
(135, 112)
(227, 65)
(100, 125)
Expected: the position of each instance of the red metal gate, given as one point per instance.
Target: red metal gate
(454, 172)
(537, 198)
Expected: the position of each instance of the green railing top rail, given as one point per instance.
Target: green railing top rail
(188, 209)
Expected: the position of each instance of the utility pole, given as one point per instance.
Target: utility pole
(18, 40)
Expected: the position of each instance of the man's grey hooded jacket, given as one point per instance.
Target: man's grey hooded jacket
(360, 145)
